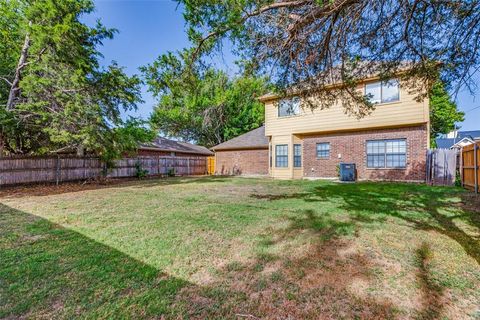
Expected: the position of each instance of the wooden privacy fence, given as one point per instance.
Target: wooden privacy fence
(22, 170)
(470, 166)
(211, 165)
(441, 167)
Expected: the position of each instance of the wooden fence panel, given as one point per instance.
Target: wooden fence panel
(470, 166)
(441, 167)
(211, 165)
(24, 170)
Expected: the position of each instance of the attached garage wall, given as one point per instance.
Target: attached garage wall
(241, 162)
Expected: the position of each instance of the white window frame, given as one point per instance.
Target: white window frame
(296, 156)
(382, 85)
(292, 110)
(385, 154)
(316, 150)
(283, 156)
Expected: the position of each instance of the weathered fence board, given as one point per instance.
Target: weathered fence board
(470, 166)
(441, 167)
(22, 170)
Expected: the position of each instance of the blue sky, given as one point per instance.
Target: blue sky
(149, 28)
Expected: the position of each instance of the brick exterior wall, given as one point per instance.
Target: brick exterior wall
(352, 147)
(241, 162)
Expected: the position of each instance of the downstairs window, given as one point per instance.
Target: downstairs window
(387, 153)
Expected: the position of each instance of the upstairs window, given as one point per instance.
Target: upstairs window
(383, 92)
(289, 107)
(323, 150)
(281, 156)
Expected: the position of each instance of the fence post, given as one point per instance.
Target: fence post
(433, 169)
(57, 170)
(475, 166)
(461, 167)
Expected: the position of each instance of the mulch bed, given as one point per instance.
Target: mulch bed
(64, 187)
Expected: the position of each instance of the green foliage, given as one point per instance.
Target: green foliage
(140, 173)
(171, 172)
(307, 44)
(458, 179)
(123, 140)
(65, 98)
(202, 104)
(443, 111)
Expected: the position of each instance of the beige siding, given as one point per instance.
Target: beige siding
(297, 172)
(405, 112)
(283, 173)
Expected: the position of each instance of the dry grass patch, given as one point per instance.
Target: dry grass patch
(199, 248)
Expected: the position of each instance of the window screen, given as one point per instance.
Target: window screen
(323, 150)
(387, 153)
(289, 107)
(383, 92)
(297, 155)
(281, 156)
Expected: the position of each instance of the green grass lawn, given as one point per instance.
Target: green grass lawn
(210, 248)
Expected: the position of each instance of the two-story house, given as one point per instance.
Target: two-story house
(388, 144)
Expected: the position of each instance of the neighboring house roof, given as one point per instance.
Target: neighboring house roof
(164, 144)
(475, 134)
(463, 138)
(254, 139)
(444, 143)
(462, 143)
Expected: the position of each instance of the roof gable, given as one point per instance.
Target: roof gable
(254, 139)
(164, 144)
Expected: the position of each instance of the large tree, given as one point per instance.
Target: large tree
(202, 104)
(53, 91)
(443, 112)
(309, 44)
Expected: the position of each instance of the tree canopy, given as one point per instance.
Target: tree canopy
(53, 91)
(202, 104)
(307, 45)
(443, 111)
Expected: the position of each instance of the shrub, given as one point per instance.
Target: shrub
(139, 171)
(171, 172)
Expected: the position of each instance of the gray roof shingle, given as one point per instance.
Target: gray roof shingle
(447, 143)
(164, 144)
(254, 139)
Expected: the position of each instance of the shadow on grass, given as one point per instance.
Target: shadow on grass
(432, 293)
(424, 207)
(47, 271)
(315, 281)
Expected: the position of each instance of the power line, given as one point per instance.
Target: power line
(472, 109)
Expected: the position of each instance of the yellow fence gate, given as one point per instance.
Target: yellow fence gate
(470, 166)
(211, 165)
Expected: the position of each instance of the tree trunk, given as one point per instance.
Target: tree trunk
(1, 146)
(15, 89)
(80, 151)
